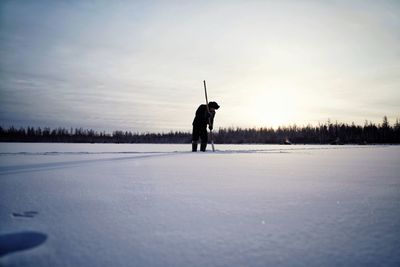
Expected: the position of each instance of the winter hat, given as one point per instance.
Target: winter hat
(213, 104)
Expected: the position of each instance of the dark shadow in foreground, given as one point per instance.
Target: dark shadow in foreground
(10, 243)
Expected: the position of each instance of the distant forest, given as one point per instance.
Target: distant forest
(327, 133)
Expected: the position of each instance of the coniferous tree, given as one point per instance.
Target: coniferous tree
(328, 133)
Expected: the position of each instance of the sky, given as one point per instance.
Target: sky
(140, 65)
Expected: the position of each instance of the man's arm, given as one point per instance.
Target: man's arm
(211, 122)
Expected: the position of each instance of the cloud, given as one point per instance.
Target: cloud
(140, 65)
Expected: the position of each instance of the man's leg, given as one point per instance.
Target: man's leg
(203, 147)
(195, 138)
(194, 146)
(204, 139)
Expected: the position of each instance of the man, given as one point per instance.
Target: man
(203, 117)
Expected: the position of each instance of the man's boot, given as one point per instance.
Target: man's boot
(194, 146)
(203, 147)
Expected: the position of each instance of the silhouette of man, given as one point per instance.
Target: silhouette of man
(202, 119)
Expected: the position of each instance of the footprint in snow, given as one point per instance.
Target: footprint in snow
(25, 214)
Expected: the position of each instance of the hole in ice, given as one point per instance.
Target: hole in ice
(14, 242)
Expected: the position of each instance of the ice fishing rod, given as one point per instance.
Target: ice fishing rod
(209, 118)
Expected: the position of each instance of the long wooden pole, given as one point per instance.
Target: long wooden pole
(209, 119)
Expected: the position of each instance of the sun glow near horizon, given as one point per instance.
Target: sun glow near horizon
(273, 107)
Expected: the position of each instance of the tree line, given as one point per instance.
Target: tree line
(326, 133)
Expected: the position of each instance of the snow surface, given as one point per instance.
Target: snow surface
(160, 205)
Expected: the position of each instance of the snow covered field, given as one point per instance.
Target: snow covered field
(160, 205)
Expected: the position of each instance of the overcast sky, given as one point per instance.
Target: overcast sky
(139, 65)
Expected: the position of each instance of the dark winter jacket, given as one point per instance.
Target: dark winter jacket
(203, 116)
